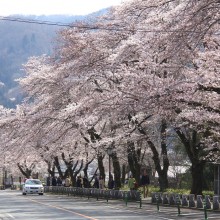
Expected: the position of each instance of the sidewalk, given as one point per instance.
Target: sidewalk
(146, 200)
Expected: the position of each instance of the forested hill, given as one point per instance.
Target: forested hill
(20, 40)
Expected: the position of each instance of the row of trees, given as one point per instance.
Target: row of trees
(134, 79)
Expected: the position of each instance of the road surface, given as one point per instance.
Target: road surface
(13, 205)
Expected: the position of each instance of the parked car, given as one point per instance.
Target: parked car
(33, 186)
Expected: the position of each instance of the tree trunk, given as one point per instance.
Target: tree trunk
(93, 177)
(25, 171)
(163, 176)
(71, 169)
(101, 166)
(197, 178)
(163, 180)
(75, 173)
(57, 165)
(117, 170)
(194, 152)
(85, 169)
(66, 173)
(134, 161)
(123, 174)
(162, 172)
(50, 168)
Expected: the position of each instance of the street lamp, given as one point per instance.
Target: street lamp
(109, 152)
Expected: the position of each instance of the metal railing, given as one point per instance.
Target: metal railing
(107, 194)
(191, 201)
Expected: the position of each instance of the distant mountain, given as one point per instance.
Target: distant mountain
(21, 40)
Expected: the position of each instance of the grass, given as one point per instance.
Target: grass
(169, 190)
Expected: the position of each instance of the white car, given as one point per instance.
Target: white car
(32, 186)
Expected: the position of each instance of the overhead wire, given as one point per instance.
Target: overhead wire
(90, 27)
(31, 21)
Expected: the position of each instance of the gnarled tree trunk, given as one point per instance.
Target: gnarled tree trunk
(117, 170)
(100, 165)
(194, 151)
(134, 161)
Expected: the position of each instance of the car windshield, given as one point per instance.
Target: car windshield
(33, 182)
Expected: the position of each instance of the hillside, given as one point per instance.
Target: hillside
(18, 42)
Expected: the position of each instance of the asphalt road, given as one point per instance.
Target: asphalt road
(13, 205)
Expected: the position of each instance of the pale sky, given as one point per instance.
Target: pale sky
(48, 7)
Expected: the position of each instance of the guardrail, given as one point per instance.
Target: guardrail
(2, 187)
(190, 201)
(106, 194)
(14, 187)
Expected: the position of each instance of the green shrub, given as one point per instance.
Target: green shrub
(178, 191)
(169, 190)
(208, 193)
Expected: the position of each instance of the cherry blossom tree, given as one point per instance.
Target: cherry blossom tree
(112, 81)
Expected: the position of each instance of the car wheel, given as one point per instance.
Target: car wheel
(40, 194)
(24, 194)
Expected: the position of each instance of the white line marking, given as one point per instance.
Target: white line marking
(11, 216)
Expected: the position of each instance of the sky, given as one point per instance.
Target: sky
(49, 7)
